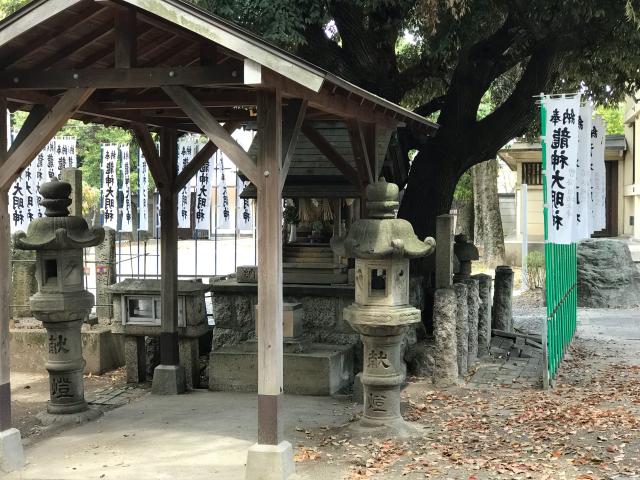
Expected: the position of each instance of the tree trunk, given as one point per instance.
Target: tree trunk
(488, 201)
(478, 225)
(465, 221)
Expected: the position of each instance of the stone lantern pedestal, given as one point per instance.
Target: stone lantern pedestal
(382, 246)
(61, 302)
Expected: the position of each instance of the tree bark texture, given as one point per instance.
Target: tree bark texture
(489, 233)
(465, 221)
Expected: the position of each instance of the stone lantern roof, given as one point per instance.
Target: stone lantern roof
(382, 235)
(57, 230)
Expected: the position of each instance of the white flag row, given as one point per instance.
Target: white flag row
(573, 146)
(119, 213)
(24, 199)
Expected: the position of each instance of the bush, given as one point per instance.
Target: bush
(535, 270)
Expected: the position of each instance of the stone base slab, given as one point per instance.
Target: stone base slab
(11, 452)
(51, 421)
(168, 380)
(397, 428)
(102, 350)
(270, 462)
(319, 370)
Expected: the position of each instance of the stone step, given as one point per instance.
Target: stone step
(318, 259)
(311, 255)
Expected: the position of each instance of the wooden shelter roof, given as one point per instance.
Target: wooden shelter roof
(52, 45)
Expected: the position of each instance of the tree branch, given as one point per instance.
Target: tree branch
(431, 106)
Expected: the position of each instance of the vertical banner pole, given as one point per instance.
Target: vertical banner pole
(525, 235)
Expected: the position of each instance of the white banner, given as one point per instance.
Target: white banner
(244, 217)
(561, 149)
(598, 175)
(41, 177)
(582, 215)
(143, 193)
(125, 169)
(51, 164)
(187, 147)
(109, 186)
(65, 156)
(17, 202)
(223, 207)
(203, 195)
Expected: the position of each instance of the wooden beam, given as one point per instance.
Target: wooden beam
(150, 152)
(122, 77)
(331, 153)
(5, 282)
(42, 133)
(269, 321)
(370, 136)
(126, 42)
(200, 158)
(212, 129)
(214, 98)
(37, 113)
(293, 117)
(360, 151)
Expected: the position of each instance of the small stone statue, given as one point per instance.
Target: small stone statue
(465, 253)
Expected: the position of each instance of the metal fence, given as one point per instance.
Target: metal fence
(561, 292)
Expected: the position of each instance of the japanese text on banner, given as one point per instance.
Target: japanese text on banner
(143, 193)
(109, 186)
(127, 209)
(561, 154)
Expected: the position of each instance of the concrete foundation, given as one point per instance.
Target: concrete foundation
(11, 452)
(168, 380)
(317, 370)
(270, 462)
(102, 350)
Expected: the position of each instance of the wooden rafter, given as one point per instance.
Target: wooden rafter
(325, 147)
(212, 129)
(106, 51)
(13, 56)
(121, 77)
(360, 151)
(293, 116)
(40, 135)
(81, 43)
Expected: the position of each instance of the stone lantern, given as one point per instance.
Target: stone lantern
(465, 253)
(61, 302)
(382, 246)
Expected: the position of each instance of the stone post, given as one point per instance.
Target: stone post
(444, 251)
(23, 281)
(484, 314)
(445, 366)
(462, 327)
(502, 295)
(73, 176)
(105, 274)
(473, 301)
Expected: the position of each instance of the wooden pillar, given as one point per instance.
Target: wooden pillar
(269, 326)
(5, 281)
(169, 250)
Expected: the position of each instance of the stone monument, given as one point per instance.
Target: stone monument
(61, 302)
(382, 246)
